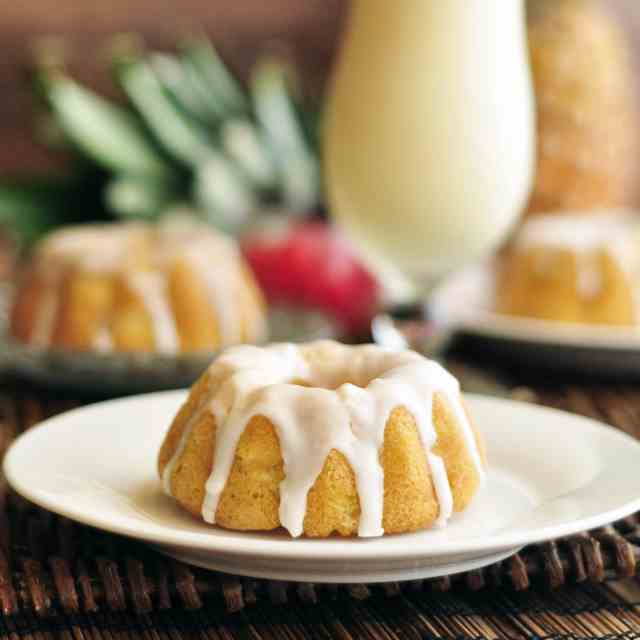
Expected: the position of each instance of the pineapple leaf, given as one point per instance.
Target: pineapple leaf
(276, 113)
(176, 81)
(181, 137)
(212, 73)
(104, 132)
(223, 196)
(132, 197)
(244, 143)
(222, 188)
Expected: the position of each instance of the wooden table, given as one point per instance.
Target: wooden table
(64, 580)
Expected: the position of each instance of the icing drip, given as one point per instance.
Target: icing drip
(222, 277)
(45, 316)
(171, 465)
(585, 235)
(96, 248)
(221, 284)
(443, 490)
(590, 279)
(580, 233)
(152, 289)
(351, 394)
(103, 342)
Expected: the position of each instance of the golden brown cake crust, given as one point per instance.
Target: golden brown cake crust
(544, 284)
(568, 268)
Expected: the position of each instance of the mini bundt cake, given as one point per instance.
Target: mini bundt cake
(323, 438)
(571, 269)
(170, 288)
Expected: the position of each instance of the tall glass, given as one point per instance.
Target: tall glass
(429, 132)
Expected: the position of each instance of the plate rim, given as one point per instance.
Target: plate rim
(329, 576)
(238, 544)
(476, 320)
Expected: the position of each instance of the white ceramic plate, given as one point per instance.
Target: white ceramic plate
(551, 474)
(465, 303)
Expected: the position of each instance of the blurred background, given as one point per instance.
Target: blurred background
(240, 30)
(217, 106)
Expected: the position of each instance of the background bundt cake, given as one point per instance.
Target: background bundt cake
(176, 287)
(572, 269)
(323, 438)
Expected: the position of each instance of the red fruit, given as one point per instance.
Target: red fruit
(310, 265)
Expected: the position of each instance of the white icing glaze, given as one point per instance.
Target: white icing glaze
(576, 231)
(220, 284)
(171, 465)
(443, 490)
(46, 316)
(350, 395)
(590, 277)
(103, 343)
(152, 289)
(223, 277)
(98, 248)
(584, 234)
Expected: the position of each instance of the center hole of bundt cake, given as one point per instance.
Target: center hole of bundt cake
(331, 367)
(300, 383)
(329, 385)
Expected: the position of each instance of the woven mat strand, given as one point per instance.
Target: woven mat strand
(53, 571)
(592, 612)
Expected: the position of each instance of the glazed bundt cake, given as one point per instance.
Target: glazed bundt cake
(572, 269)
(323, 438)
(171, 288)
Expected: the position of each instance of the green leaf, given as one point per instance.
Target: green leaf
(211, 104)
(276, 113)
(177, 82)
(225, 199)
(220, 187)
(244, 144)
(237, 137)
(132, 197)
(310, 117)
(214, 74)
(107, 133)
(182, 137)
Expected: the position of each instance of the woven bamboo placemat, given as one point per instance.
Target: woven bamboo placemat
(57, 577)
